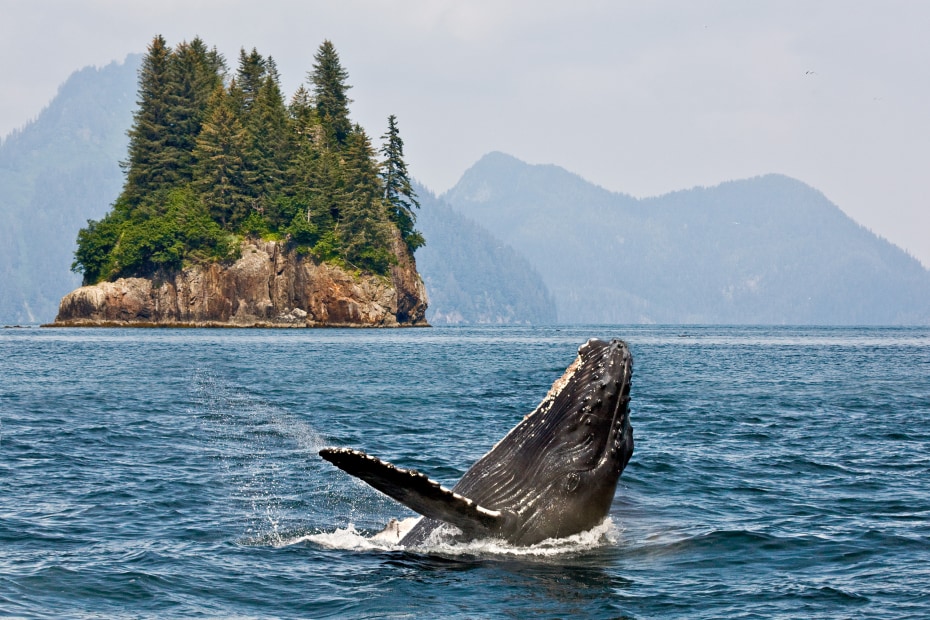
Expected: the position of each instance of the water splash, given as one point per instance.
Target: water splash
(345, 539)
(350, 539)
(262, 448)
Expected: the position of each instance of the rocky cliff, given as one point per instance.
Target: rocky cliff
(268, 286)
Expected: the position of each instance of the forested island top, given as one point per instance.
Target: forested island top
(221, 169)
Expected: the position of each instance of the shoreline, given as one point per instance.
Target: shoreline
(224, 325)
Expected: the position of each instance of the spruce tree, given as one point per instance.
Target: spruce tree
(303, 134)
(269, 148)
(249, 77)
(223, 178)
(319, 190)
(399, 194)
(195, 72)
(303, 117)
(300, 169)
(363, 226)
(148, 167)
(332, 103)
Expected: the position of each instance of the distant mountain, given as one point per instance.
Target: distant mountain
(768, 250)
(473, 277)
(56, 173)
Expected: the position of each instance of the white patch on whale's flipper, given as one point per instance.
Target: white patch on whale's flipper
(415, 490)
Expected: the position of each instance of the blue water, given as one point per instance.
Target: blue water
(778, 472)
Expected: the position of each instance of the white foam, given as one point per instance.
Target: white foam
(350, 539)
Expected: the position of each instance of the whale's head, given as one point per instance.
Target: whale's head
(557, 470)
(589, 414)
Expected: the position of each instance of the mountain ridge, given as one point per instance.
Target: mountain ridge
(472, 276)
(56, 172)
(769, 250)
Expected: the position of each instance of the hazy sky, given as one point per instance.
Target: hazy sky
(641, 97)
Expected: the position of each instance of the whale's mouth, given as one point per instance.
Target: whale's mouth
(604, 416)
(619, 445)
(586, 412)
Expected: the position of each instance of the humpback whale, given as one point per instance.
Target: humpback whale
(553, 475)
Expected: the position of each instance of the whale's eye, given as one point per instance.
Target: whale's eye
(572, 481)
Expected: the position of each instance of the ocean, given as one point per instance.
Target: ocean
(779, 472)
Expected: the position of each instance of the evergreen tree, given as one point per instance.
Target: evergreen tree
(360, 169)
(303, 134)
(271, 70)
(303, 118)
(256, 95)
(149, 167)
(399, 194)
(269, 148)
(249, 77)
(195, 73)
(223, 178)
(332, 103)
(293, 210)
(319, 189)
(363, 227)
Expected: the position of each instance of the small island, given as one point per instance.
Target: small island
(239, 209)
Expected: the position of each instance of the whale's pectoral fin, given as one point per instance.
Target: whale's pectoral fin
(416, 491)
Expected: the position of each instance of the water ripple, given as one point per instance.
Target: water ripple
(778, 472)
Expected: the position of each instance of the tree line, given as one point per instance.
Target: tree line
(214, 157)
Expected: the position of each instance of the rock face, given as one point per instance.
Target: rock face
(267, 287)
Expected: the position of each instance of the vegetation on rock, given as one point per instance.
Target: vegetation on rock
(213, 158)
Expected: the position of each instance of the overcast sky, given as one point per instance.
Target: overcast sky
(640, 97)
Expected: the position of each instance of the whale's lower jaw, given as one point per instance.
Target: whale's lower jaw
(553, 475)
